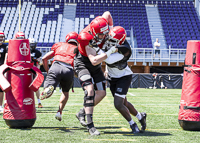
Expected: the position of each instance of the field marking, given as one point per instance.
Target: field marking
(131, 94)
(164, 129)
(110, 139)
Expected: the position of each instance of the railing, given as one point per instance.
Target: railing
(166, 55)
(146, 55)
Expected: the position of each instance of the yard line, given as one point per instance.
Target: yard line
(131, 94)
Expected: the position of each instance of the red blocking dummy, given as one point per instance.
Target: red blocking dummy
(19, 86)
(189, 112)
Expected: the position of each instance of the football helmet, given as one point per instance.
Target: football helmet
(116, 36)
(19, 35)
(72, 37)
(2, 37)
(99, 27)
(32, 43)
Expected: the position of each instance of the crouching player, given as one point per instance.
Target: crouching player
(120, 76)
(61, 70)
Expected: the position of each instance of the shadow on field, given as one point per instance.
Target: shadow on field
(146, 133)
(66, 129)
(108, 127)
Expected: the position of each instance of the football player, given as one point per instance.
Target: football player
(35, 57)
(87, 65)
(2, 60)
(61, 70)
(120, 76)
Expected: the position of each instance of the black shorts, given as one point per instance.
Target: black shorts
(1, 90)
(157, 51)
(83, 66)
(59, 73)
(119, 86)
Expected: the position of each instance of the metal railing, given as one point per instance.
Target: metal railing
(146, 55)
(166, 55)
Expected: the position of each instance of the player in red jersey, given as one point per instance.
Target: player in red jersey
(87, 65)
(61, 70)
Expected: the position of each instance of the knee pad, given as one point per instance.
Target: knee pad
(100, 85)
(88, 98)
(85, 80)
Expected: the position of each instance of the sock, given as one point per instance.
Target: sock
(139, 116)
(39, 101)
(89, 118)
(131, 122)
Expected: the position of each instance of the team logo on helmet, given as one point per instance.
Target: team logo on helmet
(24, 49)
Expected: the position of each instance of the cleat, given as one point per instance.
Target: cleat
(135, 128)
(40, 105)
(143, 121)
(47, 92)
(58, 116)
(81, 117)
(93, 131)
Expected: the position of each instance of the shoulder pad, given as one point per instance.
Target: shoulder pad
(56, 45)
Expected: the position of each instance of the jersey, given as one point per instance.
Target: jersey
(3, 51)
(64, 52)
(125, 50)
(120, 68)
(35, 55)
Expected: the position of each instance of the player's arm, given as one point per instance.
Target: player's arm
(108, 17)
(45, 59)
(97, 59)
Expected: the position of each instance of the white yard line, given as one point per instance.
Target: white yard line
(131, 94)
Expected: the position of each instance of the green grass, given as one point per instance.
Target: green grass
(161, 106)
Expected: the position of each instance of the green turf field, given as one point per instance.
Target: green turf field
(161, 106)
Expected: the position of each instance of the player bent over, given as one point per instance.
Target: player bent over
(120, 76)
(61, 70)
(35, 58)
(87, 65)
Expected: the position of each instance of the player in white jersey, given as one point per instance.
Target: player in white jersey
(120, 76)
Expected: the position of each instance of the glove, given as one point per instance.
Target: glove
(111, 50)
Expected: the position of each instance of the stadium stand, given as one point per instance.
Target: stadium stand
(43, 20)
(180, 22)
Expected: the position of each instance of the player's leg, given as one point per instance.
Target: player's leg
(1, 101)
(119, 105)
(86, 82)
(38, 98)
(119, 88)
(140, 116)
(63, 100)
(66, 83)
(52, 79)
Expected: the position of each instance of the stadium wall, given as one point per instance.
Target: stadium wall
(170, 81)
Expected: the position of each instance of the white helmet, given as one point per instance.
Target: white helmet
(32, 43)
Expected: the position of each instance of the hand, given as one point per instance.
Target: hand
(113, 49)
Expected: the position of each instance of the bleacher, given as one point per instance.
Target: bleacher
(180, 22)
(42, 19)
(39, 19)
(127, 14)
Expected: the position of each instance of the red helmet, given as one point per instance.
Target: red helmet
(72, 37)
(117, 35)
(99, 26)
(2, 37)
(19, 35)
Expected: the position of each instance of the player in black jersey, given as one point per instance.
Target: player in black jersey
(3, 51)
(35, 57)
